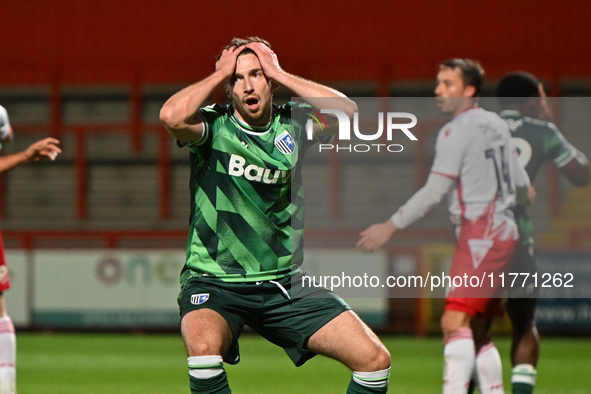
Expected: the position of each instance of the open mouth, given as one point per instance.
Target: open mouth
(252, 103)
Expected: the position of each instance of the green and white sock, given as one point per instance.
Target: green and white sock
(523, 379)
(207, 375)
(369, 382)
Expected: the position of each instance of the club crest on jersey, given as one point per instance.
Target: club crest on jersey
(285, 143)
(198, 299)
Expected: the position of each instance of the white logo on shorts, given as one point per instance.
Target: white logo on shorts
(479, 249)
(198, 299)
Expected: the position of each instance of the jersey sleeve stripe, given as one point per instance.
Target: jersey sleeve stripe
(564, 158)
(444, 174)
(461, 199)
(204, 135)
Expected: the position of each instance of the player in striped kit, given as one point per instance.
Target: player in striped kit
(528, 115)
(245, 240)
(475, 165)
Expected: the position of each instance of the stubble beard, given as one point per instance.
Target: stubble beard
(257, 119)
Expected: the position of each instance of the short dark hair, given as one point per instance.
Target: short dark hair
(517, 87)
(472, 72)
(238, 42)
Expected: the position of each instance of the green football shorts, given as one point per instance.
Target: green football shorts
(283, 311)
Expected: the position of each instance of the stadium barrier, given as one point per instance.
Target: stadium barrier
(122, 288)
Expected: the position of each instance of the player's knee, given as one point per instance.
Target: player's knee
(526, 334)
(202, 348)
(481, 338)
(382, 360)
(377, 360)
(449, 326)
(525, 329)
(521, 322)
(452, 321)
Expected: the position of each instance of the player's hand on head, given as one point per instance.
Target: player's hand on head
(267, 58)
(376, 236)
(44, 149)
(227, 61)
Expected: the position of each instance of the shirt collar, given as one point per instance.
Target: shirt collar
(511, 113)
(249, 128)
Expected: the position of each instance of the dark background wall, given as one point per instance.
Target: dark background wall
(154, 41)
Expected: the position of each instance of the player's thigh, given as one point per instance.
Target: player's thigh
(293, 311)
(349, 340)
(521, 311)
(454, 319)
(205, 332)
(480, 327)
(521, 304)
(210, 321)
(4, 273)
(524, 265)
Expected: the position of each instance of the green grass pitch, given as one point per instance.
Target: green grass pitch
(146, 364)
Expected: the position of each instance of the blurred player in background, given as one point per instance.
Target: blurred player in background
(475, 163)
(245, 241)
(526, 111)
(46, 148)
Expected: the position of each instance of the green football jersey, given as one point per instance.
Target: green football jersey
(536, 141)
(247, 209)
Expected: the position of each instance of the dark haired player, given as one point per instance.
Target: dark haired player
(474, 162)
(245, 240)
(526, 111)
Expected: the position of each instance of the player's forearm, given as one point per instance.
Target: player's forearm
(11, 161)
(179, 110)
(577, 169)
(422, 201)
(317, 95)
(583, 179)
